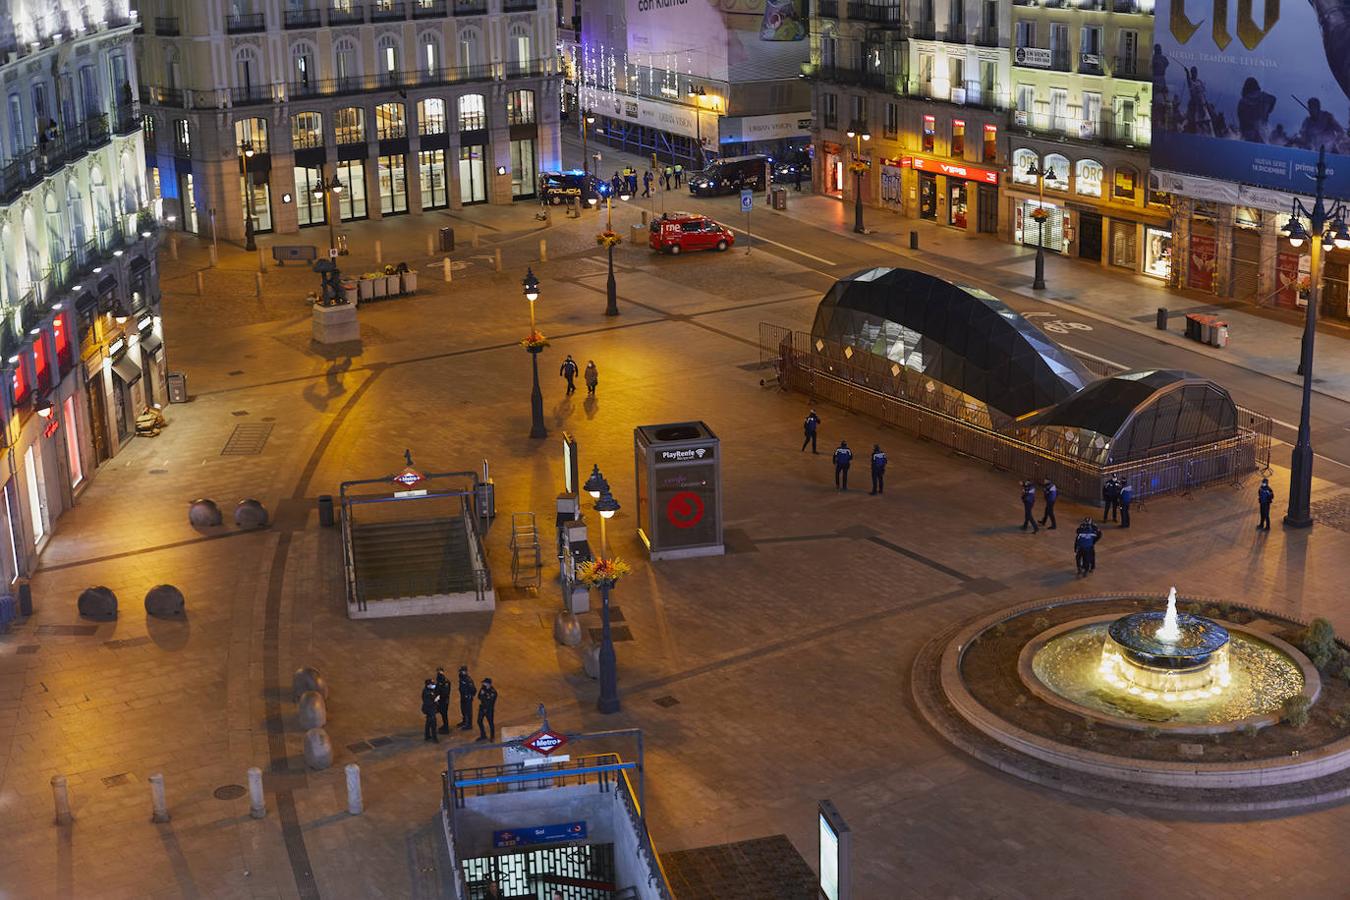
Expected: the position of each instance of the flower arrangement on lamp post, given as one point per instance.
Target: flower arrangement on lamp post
(1040, 214)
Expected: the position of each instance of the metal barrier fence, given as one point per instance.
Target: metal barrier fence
(914, 403)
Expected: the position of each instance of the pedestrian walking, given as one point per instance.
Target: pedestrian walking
(1126, 498)
(429, 711)
(679, 174)
(668, 174)
(809, 428)
(1051, 493)
(797, 179)
(647, 183)
(592, 377)
(487, 707)
(878, 470)
(1265, 495)
(1110, 498)
(467, 692)
(569, 370)
(843, 458)
(443, 699)
(616, 184)
(1029, 507)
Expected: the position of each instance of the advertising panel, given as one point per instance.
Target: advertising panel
(1249, 93)
(709, 38)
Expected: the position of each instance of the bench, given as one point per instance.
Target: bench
(294, 253)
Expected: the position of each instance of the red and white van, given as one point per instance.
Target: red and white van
(678, 232)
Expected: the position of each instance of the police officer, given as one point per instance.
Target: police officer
(843, 457)
(467, 691)
(569, 371)
(429, 711)
(1028, 507)
(647, 183)
(1126, 498)
(1084, 551)
(1051, 495)
(679, 174)
(443, 699)
(487, 706)
(1265, 496)
(1110, 498)
(809, 428)
(878, 470)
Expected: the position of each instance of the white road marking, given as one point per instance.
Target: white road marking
(765, 240)
(1334, 462)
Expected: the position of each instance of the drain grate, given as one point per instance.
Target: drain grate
(247, 440)
(69, 630)
(159, 471)
(115, 780)
(28, 648)
(126, 642)
(359, 747)
(239, 412)
(617, 633)
(236, 372)
(666, 701)
(229, 792)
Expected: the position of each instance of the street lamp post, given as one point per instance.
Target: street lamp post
(1040, 215)
(246, 152)
(858, 133)
(323, 191)
(606, 506)
(1326, 228)
(610, 239)
(587, 120)
(535, 346)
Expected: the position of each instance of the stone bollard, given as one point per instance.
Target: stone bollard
(566, 629)
(313, 710)
(173, 248)
(262, 261)
(354, 804)
(164, 601)
(431, 245)
(497, 258)
(543, 250)
(97, 603)
(257, 804)
(204, 513)
(211, 256)
(160, 805)
(473, 236)
(379, 253)
(62, 795)
(258, 288)
(249, 513)
(201, 284)
(445, 269)
(308, 679)
(318, 749)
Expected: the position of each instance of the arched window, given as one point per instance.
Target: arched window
(387, 58)
(247, 70)
(346, 64)
(520, 108)
(252, 131)
(56, 228)
(470, 50)
(1022, 160)
(518, 49)
(75, 204)
(131, 186)
(303, 71)
(173, 69)
(429, 52)
(307, 130)
(33, 252)
(389, 121)
(1087, 177)
(431, 116)
(1057, 172)
(349, 125)
(472, 112)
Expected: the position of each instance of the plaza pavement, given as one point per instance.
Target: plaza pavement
(787, 660)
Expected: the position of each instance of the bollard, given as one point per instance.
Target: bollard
(62, 794)
(379, 253)
(173, 247)
(431, 245)
(445, 269)
(262, 261)
(543, 250)
(914, 240)
(211, 255)
(160, 805)
(201, 284)
(259, 277)
(473, 237)
(354, 806)
(497, 258)
(257, 804)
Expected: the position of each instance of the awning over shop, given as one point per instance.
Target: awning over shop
(107, 285)
(127, 370)
(139, 263)
(151, 342)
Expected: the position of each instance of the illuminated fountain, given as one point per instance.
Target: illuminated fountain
(1183, 658)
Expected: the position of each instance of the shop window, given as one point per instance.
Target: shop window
(349, 125)
(472, 113)
(520, 108)
(310, 207)
(182, 138)
(65, 356)
(1057, 172)
(1124, 185)
(1157, 253)
(990, 153)
(431, 164)
(431, 116)
(389, 122)
(958, 137)
(1023, 160)
(307, 130)
(393, 186)
(19, 383)
(929, 133)
(352, 200)
(72, 441)
(1087, 177)
(1246, 217)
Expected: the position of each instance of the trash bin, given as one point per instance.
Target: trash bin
(177, 382)
(25, 596)
(914, 240)
(1221, 334)
(9, 611)
(1207, 327)
(487, 499)
(447, 239)
(326, 510)
(1162, 318)
(779, 198)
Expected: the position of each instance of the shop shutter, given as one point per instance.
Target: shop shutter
(1246, 264)
(1054, 227)
(1125, 245)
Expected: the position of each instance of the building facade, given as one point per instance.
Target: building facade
(82, 338)
(413, 106)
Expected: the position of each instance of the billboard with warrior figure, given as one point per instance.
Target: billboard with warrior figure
(1249, 91)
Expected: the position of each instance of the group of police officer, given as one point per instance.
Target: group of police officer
(843, 457)
(436, 700)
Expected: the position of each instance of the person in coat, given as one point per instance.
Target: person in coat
(1126, 498)
(1029, 507)
(429, 711)
(647, 183)
(1265, 495)
(1110, 498)
(1051, 492)
(487, 708)
(878, 470)
(443, 699)
(679, 175)
(809, 428)
(467, 692)
(592, 377)
(569, 370)
(1085, 551)
(843, 458)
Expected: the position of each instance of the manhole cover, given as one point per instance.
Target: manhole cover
(159, 471)
(666, 701)
(229, 792)
(236, 372)
(239, 412)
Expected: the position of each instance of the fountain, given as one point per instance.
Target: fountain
(1182, 659)
(1169, 631)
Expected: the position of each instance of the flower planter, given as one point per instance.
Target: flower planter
(409, 282)
(381, 286)
(349, 291)
(366, 288)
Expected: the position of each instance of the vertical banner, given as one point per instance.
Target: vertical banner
(1287, 279)
(1203, 260)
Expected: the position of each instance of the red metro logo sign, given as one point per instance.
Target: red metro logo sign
(408, 478)
(546, 742)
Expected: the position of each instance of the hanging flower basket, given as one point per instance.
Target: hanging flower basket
(1039, 214)
(596, 572)
(535, 340)
(858, 168)
(608, 239)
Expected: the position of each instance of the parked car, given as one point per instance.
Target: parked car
(558, 188)
(675, 233)
(730, 176)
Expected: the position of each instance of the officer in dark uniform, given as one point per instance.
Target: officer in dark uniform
(1084, 552)
(1051, 495)
(569, 371)
(487, 706)
(429, 711)
(1110, 498)
(1265, 496)
(467, 691)
(1126, 498)
(809, 428)
(878, 469)
(843, 457)
(1028, 507)
(443, 699)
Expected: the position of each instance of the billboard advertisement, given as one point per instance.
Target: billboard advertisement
(716, 39)
(1248, 92)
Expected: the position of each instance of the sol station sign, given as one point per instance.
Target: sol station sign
(546, 742)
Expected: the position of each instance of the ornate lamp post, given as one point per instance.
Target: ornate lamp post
(607, 239)
(535, 344)
(858, 133)
(603, 572)
(587, 120)
(1326, 228)
(1040, 215)
(322, 192)
(246, 152)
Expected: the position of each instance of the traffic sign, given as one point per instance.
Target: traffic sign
(546, 742)
(747, 200)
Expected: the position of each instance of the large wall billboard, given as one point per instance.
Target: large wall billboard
(1249, 91)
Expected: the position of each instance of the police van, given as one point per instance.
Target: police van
(573, 186)
(730, 176)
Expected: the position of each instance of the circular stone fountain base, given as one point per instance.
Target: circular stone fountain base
(968, 683)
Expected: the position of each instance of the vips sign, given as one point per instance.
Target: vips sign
(1249, 97)
(955, 170)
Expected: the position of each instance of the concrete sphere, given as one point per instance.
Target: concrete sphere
(318, 749)
(250, 513)
(308, 679)
(313, 710)
(566, 629)
(164, 601)
(590, 660)
(204, 513)
(98, 603)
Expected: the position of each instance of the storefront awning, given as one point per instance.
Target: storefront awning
(151, 342)
(139, 263)
(127, 370)
(107, 285)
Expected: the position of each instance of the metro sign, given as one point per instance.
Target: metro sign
(956, 170)
(409, 477)
(546, 742)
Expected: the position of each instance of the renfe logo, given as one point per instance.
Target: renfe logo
(684, 455)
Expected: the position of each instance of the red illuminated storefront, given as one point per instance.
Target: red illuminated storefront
(956, 193)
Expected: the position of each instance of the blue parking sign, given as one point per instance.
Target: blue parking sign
(747, 199)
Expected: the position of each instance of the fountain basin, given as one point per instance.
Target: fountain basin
(1137, 637)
